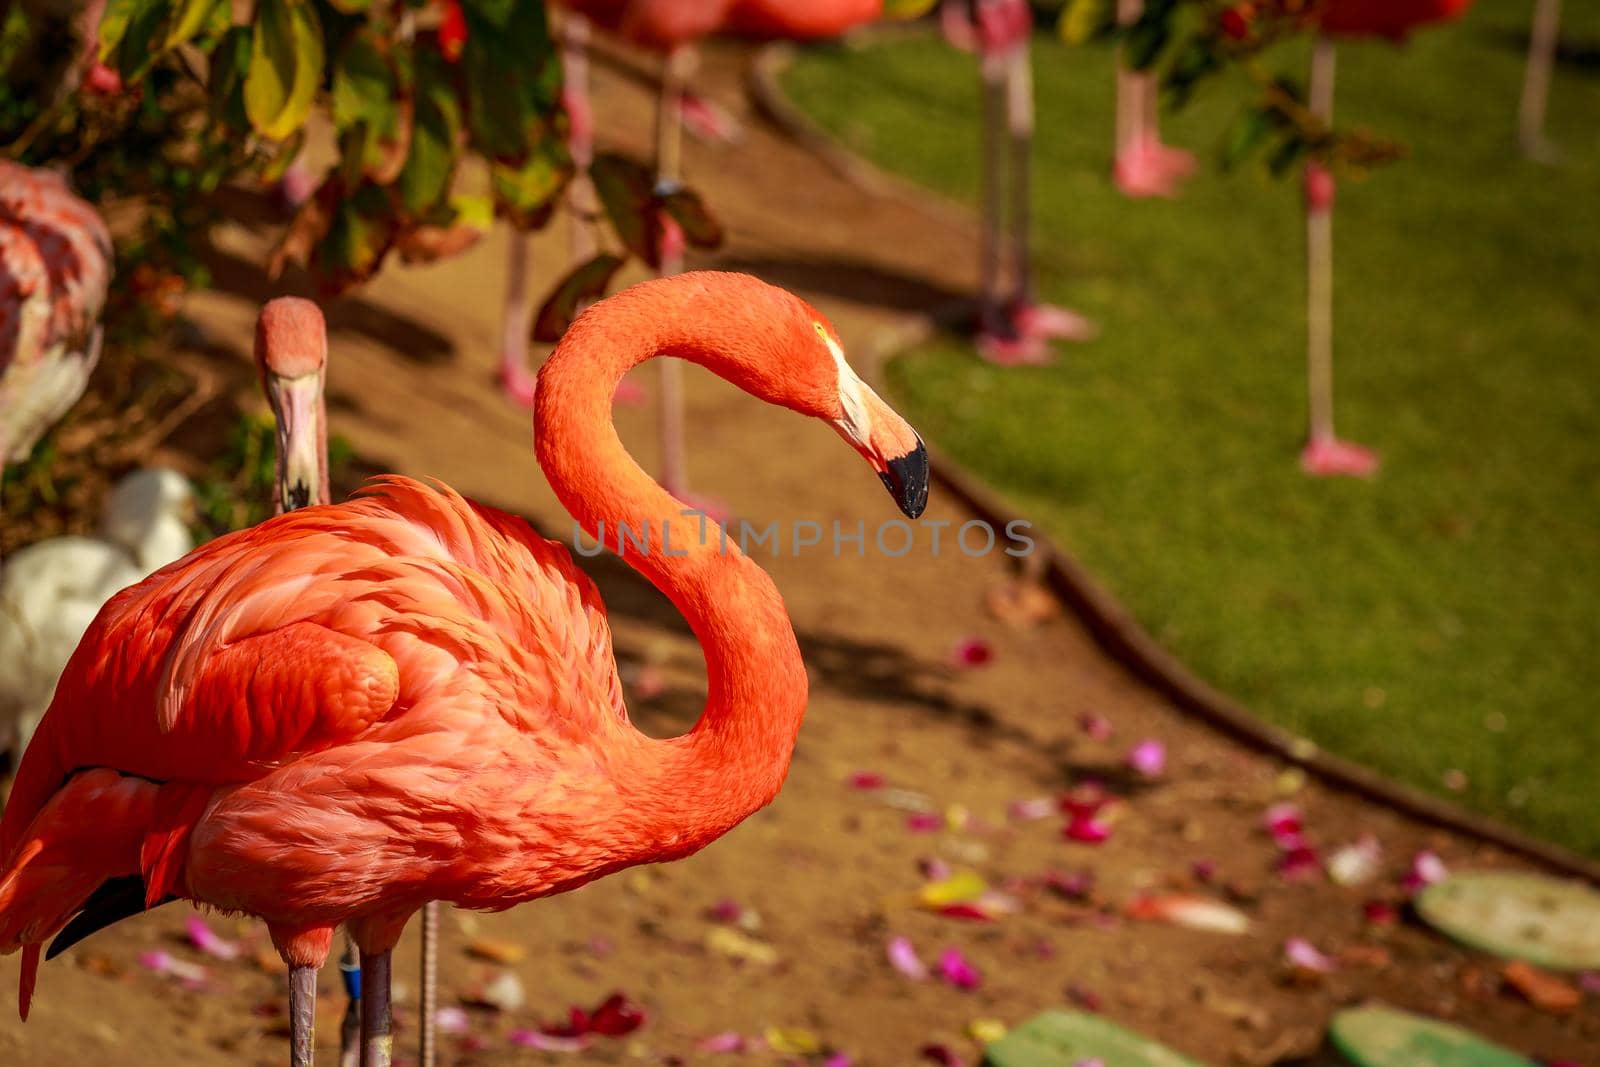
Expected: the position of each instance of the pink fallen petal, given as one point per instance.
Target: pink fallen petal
(866, 780)
(1148, 758)
(202, 937)
(1305, 956)
(1086, 830)
(934, 869)
(726, 910)
(1299, 861)
(1380, 913)
(1076, 885)
(1204, 871)
(538, 1039)
(1285, 823)
(162, 962)
(1097, 726)
(1084, 997)
(727, 1041)
(922, 822)
(943, 1055)
(1030, 810)
(451, 1020)
(1356, 863)
(838, 1059)
(1084, 800)
(958, 970)
(1589, 982)
(1426, 869)
(971, 651)
(903, 958)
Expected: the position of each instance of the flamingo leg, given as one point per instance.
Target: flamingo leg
(515, 377)
(992, 86)
(1019, 128)
(302, 1015)
(350, 1026)
(1542, 38)
(669, 148)
(427, 1053)
(1319, 267)
(582, 208)
(377, 1022)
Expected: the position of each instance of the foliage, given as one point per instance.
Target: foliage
(1186, 43)
(173, 98)
(237, 489)
(1436, 618)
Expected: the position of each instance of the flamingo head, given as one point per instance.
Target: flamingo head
(292, 355)
(810, 374)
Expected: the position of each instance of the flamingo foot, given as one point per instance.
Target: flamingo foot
(1178, 162)
(709, 122)
(1142, 172)
(1329, 457)
(1052, 323)
(517, 380)
(1013, 349)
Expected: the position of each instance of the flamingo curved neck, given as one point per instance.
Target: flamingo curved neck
(735, 758)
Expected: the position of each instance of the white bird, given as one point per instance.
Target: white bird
(50, 591)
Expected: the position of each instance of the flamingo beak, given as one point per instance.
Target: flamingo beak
(885, 439)
(296, 404)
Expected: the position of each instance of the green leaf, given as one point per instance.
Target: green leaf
(229, 62)
(363, 83)
(1146, 39)
(700, 228)
(139, 47)
(1083, 20)
(907, 9)
(435, 136)
(585, 284)
(626, 190)
(528, 192)
(1244, 137)
(512, 77)
(114, 23)
(286, 62)
(190, 18)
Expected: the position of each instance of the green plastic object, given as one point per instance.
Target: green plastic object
(1065, 1038)
(1387, 1037)
(1546, 921)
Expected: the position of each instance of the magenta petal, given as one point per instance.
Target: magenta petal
(866, 780)
(202, 937)
(838, 1059)
(1306, 956)
(922, 822)
(1097, 726)
(536, 1039)
(451, 1020)
(1301, 861)
(1030, 810)
(903, 958)
(1426, 869)
(1148, 758)
(971, 651)
(943, 1055)
(727, 1041)
(1284, 821)
(726, 910)
(955, 969)
(1087, 830)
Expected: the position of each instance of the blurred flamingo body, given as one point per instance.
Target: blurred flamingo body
(350, 710)
(1325, 454)
(55, 264)
(1012, 328)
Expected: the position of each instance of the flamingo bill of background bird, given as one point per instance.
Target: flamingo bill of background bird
(350, 710)
(1325, 453)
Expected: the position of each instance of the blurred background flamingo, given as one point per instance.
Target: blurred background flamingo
(1142, 165)
(1012, 327)
(1325, 453)
(1543, 35)
(55, 264)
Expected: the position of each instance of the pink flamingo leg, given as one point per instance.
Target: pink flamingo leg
(302, 1015)
(515, 377)
(1542, 39)
(680, 64)
(582, 205)
(428, 1005)
(377, 1022)
(1324, 454)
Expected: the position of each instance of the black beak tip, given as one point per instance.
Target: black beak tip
(907, 481)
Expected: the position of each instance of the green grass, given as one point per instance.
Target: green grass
(1440, 617)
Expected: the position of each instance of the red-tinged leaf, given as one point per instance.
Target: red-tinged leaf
(617, 1016)
(1189, 911)
(308, 227)
(700, 228)
(626, 190)
(582, 286)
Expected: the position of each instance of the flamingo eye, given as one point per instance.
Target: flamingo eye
(822, 331)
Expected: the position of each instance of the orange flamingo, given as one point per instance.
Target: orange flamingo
(55, 264)
(350, 710)
(1325, 454)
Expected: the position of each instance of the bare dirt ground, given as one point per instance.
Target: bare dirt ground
(831, 871)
